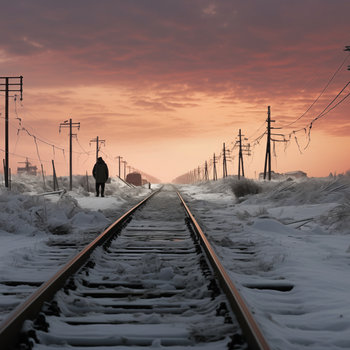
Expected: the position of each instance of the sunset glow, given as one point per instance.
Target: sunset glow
(165, 83)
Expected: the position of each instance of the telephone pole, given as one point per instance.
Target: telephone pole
(243, 150)
(206, 177)
(11, 84)
(69, 124)
(119, 159)
(240, 158)
(98, 145)
(215, 175)
(268, 145)
(224, 163)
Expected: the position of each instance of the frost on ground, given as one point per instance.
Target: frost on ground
(292, 234)
(30, 221)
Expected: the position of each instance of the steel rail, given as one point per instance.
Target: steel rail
(10, 328)
(254, 336)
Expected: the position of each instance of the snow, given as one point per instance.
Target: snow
(293, 236)
(30, 222)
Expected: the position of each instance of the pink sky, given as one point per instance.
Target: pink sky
(165, 83)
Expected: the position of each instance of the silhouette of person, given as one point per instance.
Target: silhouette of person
(100, 173)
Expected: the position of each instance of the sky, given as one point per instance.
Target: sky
(166, 83)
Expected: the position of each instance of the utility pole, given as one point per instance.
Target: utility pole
(206, 171)
(240, 158)
(98, 146)
(268, 145)
(215, 175)
(224, 163)
(243, 150)
(347, 48)
(69, 124)
(119, 159)
(11, 84)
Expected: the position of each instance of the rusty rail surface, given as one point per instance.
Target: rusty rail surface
(10, 328)
(254, 336)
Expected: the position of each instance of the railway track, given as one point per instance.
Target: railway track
(150, 280)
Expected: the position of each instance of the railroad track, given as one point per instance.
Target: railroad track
(150, 280)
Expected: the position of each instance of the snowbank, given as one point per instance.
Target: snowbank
(288, 250)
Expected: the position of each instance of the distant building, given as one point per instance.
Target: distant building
(27, 169)
(134, 179)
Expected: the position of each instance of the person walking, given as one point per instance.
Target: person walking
(100, 173)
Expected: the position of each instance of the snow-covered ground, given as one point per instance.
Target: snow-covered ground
(291, 234)
(31, 224)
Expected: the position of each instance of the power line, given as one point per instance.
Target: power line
(324, 110)
(321, 93)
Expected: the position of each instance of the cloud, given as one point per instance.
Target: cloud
(168, 58)
(155, 42)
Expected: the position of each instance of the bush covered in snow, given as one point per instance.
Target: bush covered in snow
(28, 209)
(244, 187)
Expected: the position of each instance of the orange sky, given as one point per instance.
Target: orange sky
(165, 83)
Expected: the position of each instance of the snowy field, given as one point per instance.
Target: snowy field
(31, 224)
(293, 235)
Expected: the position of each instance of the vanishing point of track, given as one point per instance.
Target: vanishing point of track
(150, 279)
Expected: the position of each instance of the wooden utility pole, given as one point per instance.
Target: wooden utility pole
(268, 146)
(243, 150)
(98, 145)
(11, 84)
(224, 162)
(206, 177)
(240, 157)
(69, 124)
(119, 159)
(215, 174)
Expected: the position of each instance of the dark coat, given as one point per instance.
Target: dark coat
(100, 171)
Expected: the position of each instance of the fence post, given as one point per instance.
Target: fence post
(43, 175)
(55, 182)
(87, 182)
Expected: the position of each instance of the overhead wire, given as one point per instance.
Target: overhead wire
(321, 93)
